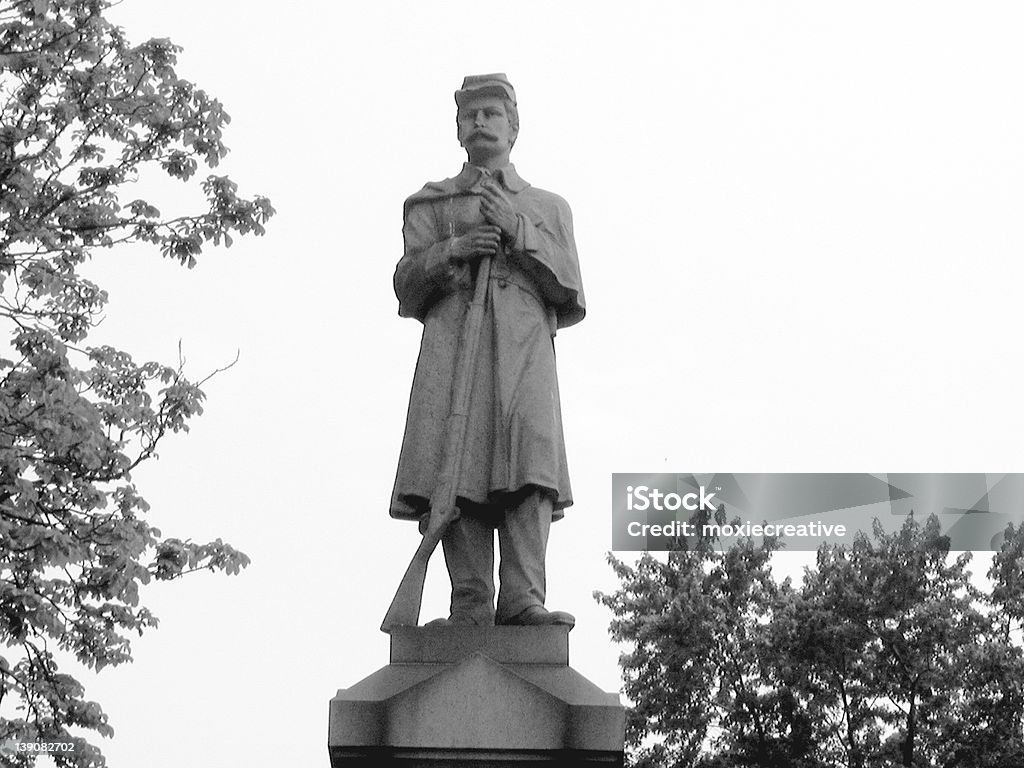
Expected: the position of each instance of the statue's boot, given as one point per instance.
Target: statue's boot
(538, 615)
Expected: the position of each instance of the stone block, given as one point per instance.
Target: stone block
(476, 696)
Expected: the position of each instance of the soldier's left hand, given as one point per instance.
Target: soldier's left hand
(497, 209)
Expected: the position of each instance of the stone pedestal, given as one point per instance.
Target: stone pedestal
(476, 697)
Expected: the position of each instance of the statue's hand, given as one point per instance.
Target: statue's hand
(482, 241)
(498, 210)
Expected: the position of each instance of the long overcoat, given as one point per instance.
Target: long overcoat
(514, 436)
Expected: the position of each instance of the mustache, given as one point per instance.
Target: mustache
(482, 133)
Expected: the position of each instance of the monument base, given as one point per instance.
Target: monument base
(502, 697)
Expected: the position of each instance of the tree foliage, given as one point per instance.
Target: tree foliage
(884, 655)
(85, 117)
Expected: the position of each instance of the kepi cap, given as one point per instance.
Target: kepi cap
(479, 85)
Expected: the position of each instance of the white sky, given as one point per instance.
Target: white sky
(800, 231)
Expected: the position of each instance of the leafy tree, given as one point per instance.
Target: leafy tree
(885, 655)
(84, 114)
(886, 625)
(986, 722)
(701, 670)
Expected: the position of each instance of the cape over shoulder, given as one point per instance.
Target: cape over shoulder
(460, 184)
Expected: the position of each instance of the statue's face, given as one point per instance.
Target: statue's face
(484, 127)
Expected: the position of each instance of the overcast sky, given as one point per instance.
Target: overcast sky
(799, 225)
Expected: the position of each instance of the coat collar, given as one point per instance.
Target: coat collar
(470, 177)
(507, 177)
(464, 183)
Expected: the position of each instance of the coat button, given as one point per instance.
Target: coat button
(503, 284)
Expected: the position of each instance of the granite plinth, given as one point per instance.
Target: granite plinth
(476, 696)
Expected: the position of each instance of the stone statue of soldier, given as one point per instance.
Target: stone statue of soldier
(514, 477)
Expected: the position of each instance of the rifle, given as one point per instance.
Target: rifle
(405, 606)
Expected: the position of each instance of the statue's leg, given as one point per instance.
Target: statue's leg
(469, 554)
(523, 541)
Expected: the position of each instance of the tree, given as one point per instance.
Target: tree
(885, 655)
(702, 668)
(84, 114)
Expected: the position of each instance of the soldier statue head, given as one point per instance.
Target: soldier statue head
(487, 119)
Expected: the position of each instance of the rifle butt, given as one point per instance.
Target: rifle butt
(405, 607)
